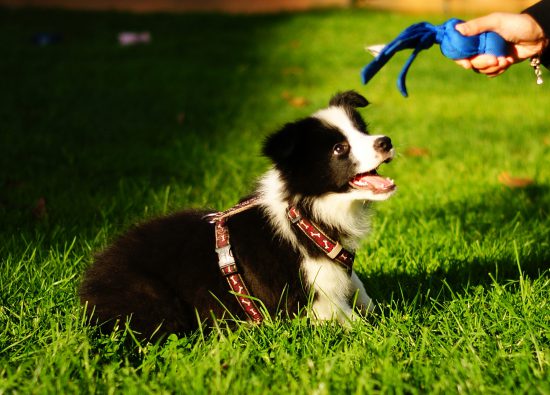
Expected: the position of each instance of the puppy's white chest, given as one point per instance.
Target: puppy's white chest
(332, 286)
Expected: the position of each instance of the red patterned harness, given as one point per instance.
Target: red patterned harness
(228, 266)
(226, 260)
(331, 248)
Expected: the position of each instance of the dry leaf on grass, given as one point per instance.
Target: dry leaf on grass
(180, 118)
(39, 210)
(514, 182)
(286, 95)
(292, 71)
(417, 152)
(294, 101)
(295, 44)
(298, 102)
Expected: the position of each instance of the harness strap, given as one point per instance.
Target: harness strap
(333, 249)
(226, 260)
(238, 208)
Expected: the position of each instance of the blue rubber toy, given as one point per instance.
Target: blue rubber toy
(423, 35)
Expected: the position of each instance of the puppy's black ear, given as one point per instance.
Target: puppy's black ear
(280, 146)
(349, 99)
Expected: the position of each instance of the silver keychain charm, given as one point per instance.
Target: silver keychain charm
(535, 63)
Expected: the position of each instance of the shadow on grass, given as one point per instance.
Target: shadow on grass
(495, 216)
(88, 124)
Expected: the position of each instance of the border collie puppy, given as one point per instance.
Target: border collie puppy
(165, 274)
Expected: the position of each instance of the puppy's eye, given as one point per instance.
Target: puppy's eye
(340, 149)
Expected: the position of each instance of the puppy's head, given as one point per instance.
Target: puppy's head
(332, 152)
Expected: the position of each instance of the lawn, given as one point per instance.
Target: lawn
(95, 137)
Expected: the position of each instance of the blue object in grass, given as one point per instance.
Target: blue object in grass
(423, 35)
(44, 38)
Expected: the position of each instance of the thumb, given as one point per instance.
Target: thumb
(478, 25)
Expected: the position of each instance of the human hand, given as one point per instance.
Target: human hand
(521, 31)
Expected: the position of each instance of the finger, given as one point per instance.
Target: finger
(463, 28)
(505, 61)
(485, 23)
(484, 61)
(510, 59)
(491, 71)
(465, 63)
(497, 73)
(498, 69)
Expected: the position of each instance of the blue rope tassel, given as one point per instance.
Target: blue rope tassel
(423, 35)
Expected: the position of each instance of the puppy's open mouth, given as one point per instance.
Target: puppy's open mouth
(373, 182)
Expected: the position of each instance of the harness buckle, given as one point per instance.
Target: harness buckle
(335, 251)
(225, 256)
(294, 215)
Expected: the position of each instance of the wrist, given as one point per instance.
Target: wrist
(537, 33)
(538, 16)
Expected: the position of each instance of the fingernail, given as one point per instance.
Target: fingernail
(462, 28)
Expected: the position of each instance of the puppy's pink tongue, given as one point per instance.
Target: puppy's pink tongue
(375, 183)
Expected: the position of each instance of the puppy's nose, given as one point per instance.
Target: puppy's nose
(383, 144)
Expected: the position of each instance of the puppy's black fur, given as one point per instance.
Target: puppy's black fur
(162, 271)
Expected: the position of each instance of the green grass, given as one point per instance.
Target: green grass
(457, 261)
